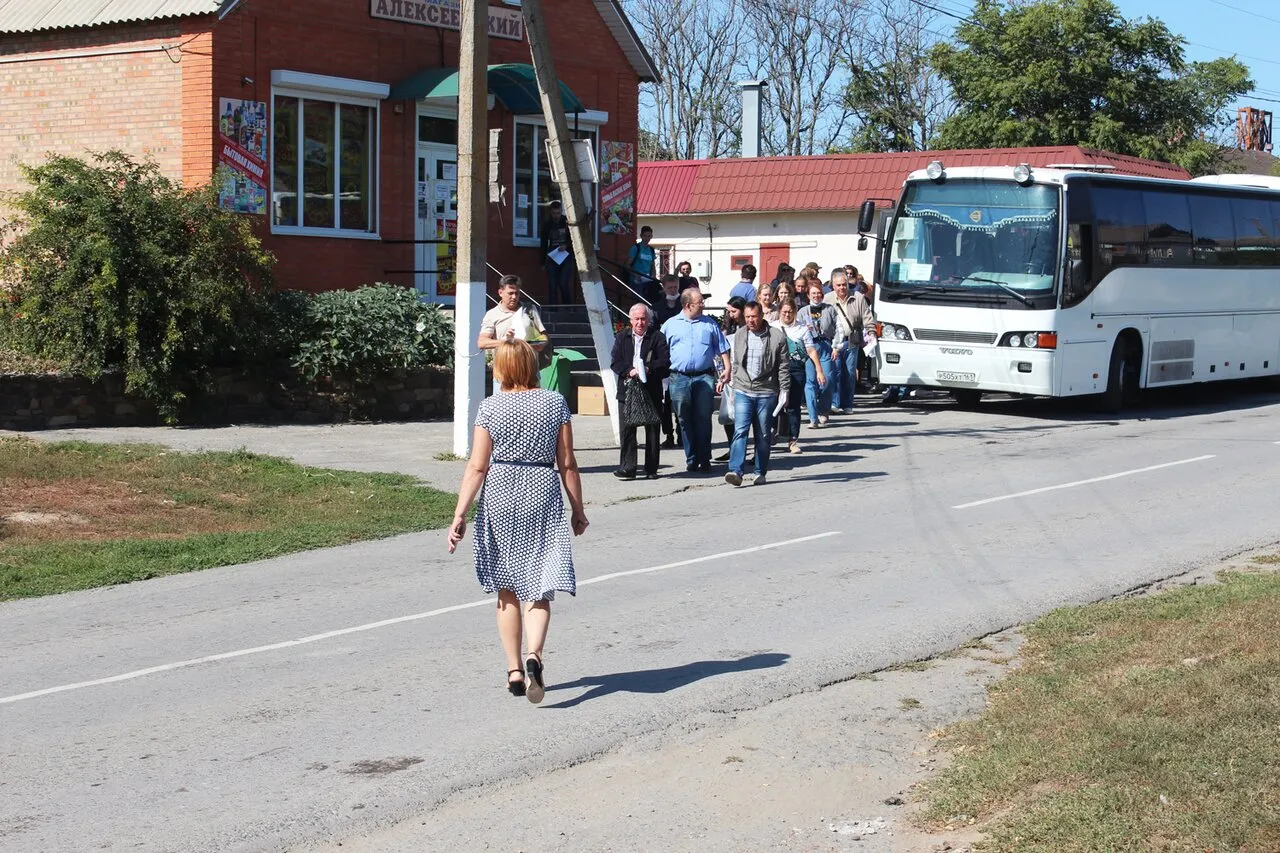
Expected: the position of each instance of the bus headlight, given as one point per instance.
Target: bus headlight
(934, 171)
(894, 332)
(1030, 340)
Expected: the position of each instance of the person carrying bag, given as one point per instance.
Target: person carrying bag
(641, 360)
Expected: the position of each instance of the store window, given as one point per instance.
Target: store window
(533, 184)
(324, 165)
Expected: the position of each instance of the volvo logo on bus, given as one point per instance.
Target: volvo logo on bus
(955, 351)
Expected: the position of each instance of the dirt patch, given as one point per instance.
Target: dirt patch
(90, 510)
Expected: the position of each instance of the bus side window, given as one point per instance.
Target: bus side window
(1168, 228)
(1079, 281)
(1214, 227)
(1256, 242)
(1122, 227)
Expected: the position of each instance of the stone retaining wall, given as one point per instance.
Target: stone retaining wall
(30, 402)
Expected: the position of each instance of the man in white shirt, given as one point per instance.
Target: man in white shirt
(509, 320)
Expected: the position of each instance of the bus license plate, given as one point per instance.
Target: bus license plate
(953, 376)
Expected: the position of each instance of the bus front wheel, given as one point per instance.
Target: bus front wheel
(1122, 377)
(966, 398)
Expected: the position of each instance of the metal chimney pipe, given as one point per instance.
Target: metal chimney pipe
(751, 116)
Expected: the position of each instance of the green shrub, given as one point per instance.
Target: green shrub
(114, 266)
(371, 331)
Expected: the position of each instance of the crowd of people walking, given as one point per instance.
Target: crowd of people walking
(793, 344)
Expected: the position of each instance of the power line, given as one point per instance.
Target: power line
(1233, 53)
(1246, 11)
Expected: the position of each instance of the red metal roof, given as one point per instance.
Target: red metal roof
(666, 189)
(837, 181)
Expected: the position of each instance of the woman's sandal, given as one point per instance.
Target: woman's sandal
(535, 689)
(516, 687)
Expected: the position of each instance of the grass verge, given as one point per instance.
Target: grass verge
(76, 515)
(1148, 724)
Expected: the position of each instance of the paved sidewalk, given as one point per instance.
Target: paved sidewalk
(424, 449)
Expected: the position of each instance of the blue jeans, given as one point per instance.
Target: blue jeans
(818, 397)
(559, 277)
(691, 397)
(749, 412)
(845, 381)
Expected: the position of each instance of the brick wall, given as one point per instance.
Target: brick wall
(145, 103)
(67, 104)
(339, 38)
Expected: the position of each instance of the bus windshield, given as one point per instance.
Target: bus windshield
(969, 238)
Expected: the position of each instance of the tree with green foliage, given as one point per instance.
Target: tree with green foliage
(112, 266)
(1075, 72)
(894, 92)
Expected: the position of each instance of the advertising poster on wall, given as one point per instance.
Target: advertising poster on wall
(242, 155)
(447, 257)
(618, 197)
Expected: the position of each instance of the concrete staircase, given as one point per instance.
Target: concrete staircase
(569, 328)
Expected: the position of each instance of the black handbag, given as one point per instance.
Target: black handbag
(637, 409)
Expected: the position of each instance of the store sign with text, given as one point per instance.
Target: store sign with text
(504, 23)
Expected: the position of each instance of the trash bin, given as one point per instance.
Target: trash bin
(555, 376)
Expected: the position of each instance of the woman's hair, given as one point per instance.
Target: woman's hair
(515, 365)
(737, 302)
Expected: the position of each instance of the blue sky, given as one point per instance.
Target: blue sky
(1247, 29)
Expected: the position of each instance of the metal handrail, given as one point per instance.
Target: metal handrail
(623, 283)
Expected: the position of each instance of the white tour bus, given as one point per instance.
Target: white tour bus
(1068, 281)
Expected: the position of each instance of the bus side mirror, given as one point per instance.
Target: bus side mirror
(866, 216)
(862, 244)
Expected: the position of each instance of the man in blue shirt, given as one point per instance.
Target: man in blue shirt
(747, 287)
(696, 345)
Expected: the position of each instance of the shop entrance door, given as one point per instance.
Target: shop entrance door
(437, 206)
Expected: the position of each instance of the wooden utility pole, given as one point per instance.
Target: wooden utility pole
(473, 232)
(565, 165)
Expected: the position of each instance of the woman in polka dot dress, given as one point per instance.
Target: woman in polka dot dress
(521, 541)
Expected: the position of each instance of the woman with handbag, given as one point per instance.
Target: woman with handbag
(641, 360)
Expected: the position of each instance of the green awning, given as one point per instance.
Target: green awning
(513, 83)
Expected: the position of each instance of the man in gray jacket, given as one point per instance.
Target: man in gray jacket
(761, 382)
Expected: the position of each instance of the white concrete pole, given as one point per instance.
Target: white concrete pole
(473, 232)
(565, 165)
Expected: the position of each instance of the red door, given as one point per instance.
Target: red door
(772, 254)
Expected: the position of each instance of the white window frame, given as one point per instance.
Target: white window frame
(335, 90)
(593, 120)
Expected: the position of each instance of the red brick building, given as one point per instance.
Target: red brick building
(333, 123)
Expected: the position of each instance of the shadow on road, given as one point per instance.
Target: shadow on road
(662, 680)
(1228, 397)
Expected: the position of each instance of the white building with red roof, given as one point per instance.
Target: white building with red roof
(766, 210)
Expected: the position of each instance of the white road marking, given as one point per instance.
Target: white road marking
(1084, 482)
(315, 638)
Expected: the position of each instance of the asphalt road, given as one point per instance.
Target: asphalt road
(312, 698)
